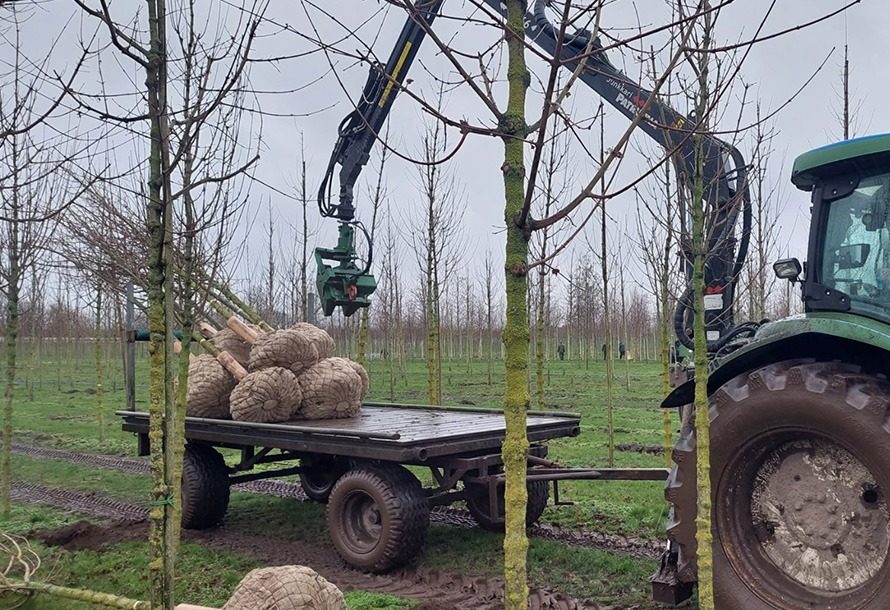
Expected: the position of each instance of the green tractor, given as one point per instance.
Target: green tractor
(800, 417)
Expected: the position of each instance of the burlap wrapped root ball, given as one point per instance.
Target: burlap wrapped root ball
(323, 342)
(363, 373)
(285, 588)
(331, 389)
(208, 389)
(291, 349)
(266, 396)
(227, 340)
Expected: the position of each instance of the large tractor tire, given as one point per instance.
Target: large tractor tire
(378, 516)
(205, 487)
(800, 475)
(479, 505)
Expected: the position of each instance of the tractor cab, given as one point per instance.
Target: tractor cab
(848, 268)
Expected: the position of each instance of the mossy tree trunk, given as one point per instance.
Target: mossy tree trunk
(363, 331)
(187, 322)
(162, 406)
(704, 536)
(516, 329)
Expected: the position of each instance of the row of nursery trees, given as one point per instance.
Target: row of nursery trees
(135, 159)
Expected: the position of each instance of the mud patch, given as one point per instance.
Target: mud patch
(433, 589)
(87, 536)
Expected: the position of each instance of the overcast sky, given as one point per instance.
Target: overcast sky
(776, 70)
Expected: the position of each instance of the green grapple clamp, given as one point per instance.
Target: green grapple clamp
(344, 285)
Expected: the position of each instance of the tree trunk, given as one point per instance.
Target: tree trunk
(162, 408)
(363, 336)
(100, 415)
(704, 536)
(516, 330)
(12, 327)
(665, 322)
(609, 356)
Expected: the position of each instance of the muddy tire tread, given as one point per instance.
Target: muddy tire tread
(206, 481)
(866, 395)
(404, 500)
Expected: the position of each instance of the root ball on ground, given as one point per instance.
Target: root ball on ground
(285, 588)
(331, 389)
(228, 340)
(209, 387)
(290, 349)
(266, 396)
(323, 342)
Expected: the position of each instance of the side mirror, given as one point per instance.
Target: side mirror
(787, 269)
(852, 256)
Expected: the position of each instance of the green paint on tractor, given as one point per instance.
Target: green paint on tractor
(812, 165)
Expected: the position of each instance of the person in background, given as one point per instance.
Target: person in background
(621, 350)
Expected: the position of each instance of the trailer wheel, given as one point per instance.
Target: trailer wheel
(205, 487)
(800, 475)
(318, 476)
(480, 507)
(378, 516)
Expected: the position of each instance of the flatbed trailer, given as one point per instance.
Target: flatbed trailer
(378, 510)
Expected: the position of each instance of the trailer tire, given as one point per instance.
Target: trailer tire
(205, 487)
(378, 516)
(319, 475)
(800, 475)
(479, 506)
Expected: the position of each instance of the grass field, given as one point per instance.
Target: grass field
(56, 406)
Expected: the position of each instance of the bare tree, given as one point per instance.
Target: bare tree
(212, 70)
(34, 190)
(437, 242)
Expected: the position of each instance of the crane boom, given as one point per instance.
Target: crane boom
(724, 171)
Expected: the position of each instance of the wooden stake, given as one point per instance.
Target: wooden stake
(243, 330)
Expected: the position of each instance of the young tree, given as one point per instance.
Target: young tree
(699, 245)
(211, 69)
(554, 186)
(33, 187)
(378, 197)
(438, 245)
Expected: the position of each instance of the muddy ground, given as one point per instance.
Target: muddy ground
(434, 590)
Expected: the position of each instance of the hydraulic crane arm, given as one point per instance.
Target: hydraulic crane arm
(725, 174)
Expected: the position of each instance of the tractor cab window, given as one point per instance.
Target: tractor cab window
(856, 255)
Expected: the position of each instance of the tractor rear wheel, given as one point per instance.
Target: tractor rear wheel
(800, 476)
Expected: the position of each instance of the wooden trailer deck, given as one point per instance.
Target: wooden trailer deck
(403, 433)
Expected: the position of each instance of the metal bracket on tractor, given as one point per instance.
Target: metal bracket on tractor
(344, 285)
(666, 585)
